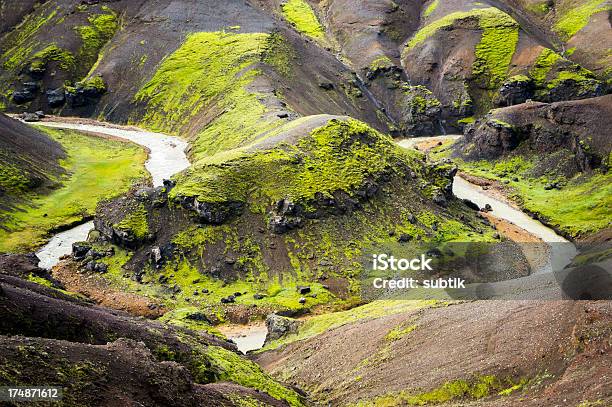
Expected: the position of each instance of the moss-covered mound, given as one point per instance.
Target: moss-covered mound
(300, 207)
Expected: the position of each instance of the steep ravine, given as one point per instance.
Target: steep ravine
(561, 250)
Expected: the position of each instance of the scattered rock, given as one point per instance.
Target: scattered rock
(228, 300)
(30, 117)
(326, 85)
(440, 199)
(80, 250)
(303, 289)
(302, 300)
(471, 204)
(404, 237)
(279, 326)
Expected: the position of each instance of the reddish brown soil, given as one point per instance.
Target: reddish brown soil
(95, 287)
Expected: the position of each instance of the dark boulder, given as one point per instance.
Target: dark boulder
(30, 117)
(573, 89)
(515, 90)
(228, 300)
(303, 289)
(217, 213)
(440, 199)
(21, 97)
(471, 204)
(403, 238)
(283, 224)
(80, 250)
(326, 85)
(279, 326)
(198, 316)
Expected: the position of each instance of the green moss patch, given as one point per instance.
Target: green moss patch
(431, 8)
(101, 29)
(494, 52)
(209, 74)
(51, 53)
(575, 18)
(22, 38)
(135, 223)
(97, 168)
(13, 179)
(228, 366)
(399, 332)
(474, 389)
(302, 17)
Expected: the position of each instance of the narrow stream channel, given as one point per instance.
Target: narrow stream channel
(166, 158)
(562, 251)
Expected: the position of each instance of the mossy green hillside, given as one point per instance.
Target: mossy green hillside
(13, 180)
(208, 75)
(97, 169)
(319, 324)
(550, 71)
(574, 18)
(96, 34)
(488, 15)
(302, 17)
(229, 366)
(23, 36)
(341, 156)
(494, 52)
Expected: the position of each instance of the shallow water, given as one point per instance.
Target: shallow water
(61, 244)
(246, 337)
(562, 251)
(166, 158)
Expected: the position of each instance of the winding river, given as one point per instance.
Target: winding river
(166, 158)
(562, 251)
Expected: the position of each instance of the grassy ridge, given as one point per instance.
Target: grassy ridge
(98, 169)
